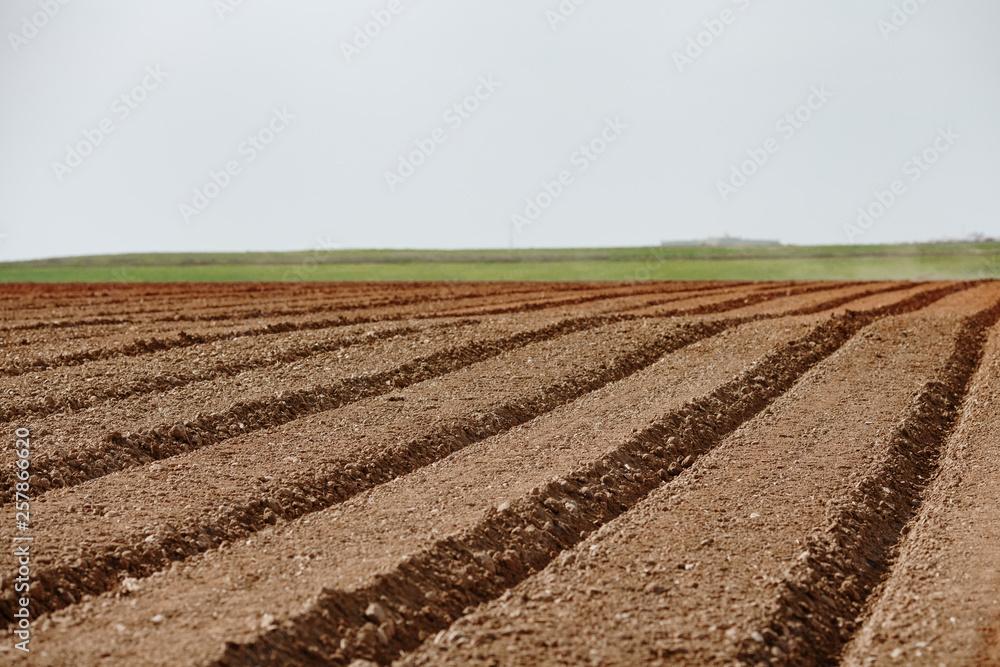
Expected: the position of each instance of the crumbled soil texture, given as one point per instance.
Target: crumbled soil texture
(504, 474)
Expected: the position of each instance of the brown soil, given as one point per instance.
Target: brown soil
(692, 473)
(941, 604)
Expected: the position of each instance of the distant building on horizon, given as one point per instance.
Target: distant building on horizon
(974, 237)
(724, 241)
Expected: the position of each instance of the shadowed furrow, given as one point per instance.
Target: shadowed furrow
(823, 594)
(292, 489)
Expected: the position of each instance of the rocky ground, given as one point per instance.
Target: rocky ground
(516, 474)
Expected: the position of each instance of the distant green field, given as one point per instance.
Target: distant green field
(901, 262)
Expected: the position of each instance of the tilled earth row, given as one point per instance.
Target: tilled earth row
(159, 302)
(35, 349)
(249, 383)
(786, 473)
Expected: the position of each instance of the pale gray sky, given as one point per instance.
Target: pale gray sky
(184, 84)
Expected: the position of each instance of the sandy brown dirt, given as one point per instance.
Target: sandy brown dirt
(115, 334)
(941, 605)
(684, 577)
(694, 473)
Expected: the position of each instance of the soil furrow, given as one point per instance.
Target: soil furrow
(88, 338)
(481, 295)
(148, 336)
(412, 304)
(135, 303)
(215, 304)
(711, 301)
(434, 586)
(471, 473)
(626, 304)
(189, 336)
(628, 293)
(764, 294)
(526, 527)
(158, 425)
(336, 465)
(146, 428)
(834, 298)
(174, 338)
(98, 382)
(822, 595)
(700, 423)
(159, 308)
(940, 603)
(681, 577)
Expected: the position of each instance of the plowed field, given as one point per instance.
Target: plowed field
(501, 474)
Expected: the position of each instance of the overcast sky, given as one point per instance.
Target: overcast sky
(201, 125)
